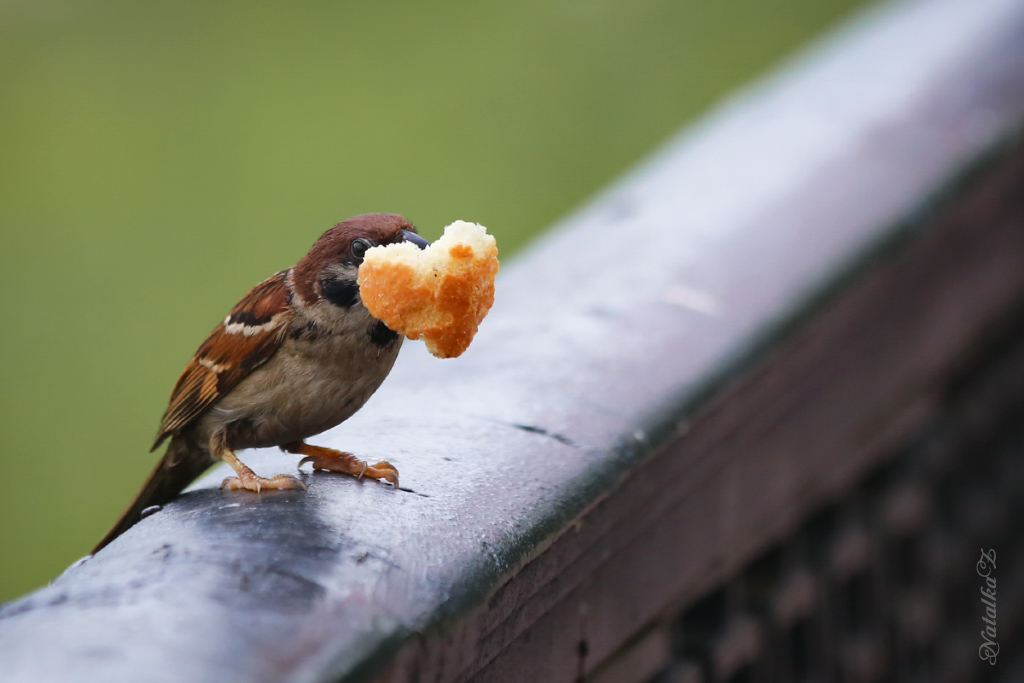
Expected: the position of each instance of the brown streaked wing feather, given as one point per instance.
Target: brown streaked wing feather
(245, 340)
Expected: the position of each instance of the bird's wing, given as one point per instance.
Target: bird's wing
(245, 340)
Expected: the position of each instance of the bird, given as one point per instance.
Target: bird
(298, 355)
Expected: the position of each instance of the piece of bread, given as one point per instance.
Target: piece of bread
(440, 293)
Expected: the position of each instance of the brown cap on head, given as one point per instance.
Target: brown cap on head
(335, 246)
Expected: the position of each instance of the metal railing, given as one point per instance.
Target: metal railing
(881, 583)
(683, 440)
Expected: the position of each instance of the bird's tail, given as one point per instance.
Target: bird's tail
(183, 462)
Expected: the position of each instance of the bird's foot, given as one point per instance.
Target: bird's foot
(339, 461)
(354, 466)
(249, 481)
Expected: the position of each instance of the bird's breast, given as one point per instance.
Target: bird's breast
(319, 377)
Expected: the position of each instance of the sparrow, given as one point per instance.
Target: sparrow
(298, 354)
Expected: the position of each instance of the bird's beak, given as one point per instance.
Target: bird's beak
(410, 236)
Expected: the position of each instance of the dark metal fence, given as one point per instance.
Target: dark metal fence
(746, 417)
(878, 584)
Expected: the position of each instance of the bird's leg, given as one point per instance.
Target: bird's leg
(340, 461)
(247, 479)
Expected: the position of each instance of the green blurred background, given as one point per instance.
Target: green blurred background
(158, 159)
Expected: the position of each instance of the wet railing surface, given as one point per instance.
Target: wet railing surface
(676, 385)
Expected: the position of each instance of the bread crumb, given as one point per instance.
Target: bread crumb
(440, 293)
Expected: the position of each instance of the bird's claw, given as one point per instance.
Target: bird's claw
(386, 471)
(352, 465)
(250, 482)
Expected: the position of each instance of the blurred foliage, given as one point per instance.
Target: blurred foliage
(158, 159)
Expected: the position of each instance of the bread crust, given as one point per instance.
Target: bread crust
(439, 294)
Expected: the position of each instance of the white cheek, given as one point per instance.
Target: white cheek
(351, 321)
(340, 270)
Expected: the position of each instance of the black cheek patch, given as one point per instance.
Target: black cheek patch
(381, 335)
(342, 293)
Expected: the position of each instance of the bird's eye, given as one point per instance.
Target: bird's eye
(359, 247)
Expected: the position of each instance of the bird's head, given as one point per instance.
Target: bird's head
(330, 270)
